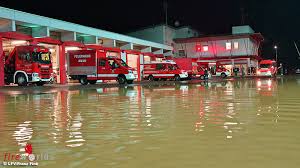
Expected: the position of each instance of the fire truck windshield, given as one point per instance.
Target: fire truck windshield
(41, 57)
(123, 63)
(265, 65)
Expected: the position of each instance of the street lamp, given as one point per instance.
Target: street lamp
(275, 47)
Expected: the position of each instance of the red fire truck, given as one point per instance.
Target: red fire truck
(88, 66)
(191, 66)
(28, 64)
(267, 68)
(164, 70)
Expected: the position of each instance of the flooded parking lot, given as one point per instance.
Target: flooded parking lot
(233, 123)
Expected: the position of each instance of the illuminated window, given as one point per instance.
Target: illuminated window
(236, 45)
(205, 48)
(228, 46)
(181, 53)
(198, 47)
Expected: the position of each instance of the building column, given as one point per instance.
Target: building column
(62, 63)
(141, 65)
(2, 59)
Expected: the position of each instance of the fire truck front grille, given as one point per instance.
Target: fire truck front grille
(45, 74)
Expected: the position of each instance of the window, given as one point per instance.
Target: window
(159, 66)
(205, 48)
(181, 53)
(102, 63)
(198, 48)
(236, 45)
(113, 64)
(228, 46)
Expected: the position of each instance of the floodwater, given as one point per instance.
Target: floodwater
(229, 124)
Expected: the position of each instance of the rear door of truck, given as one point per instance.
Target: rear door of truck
(82, 62)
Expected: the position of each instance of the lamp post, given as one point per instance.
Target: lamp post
(276, 53)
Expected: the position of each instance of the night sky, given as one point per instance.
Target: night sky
(277, 20)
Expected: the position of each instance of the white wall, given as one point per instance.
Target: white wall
(154, 34)
(186, 32)
(218, 48)
(169, 34)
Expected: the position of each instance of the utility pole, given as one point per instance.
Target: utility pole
(276, 48)
(166, 11)
(242, 16)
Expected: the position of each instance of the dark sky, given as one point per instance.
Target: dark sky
(277, 20)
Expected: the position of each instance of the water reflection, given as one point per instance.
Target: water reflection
(23, 134)
(131, 124)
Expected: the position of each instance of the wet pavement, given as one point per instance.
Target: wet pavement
(221, 123)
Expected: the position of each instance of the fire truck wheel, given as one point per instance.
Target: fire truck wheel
(177, 78)
(202, 77)
(92, 82)
(151, 78)
(83, 80)
(40, 83)
(129, 81)
(223, 75)
(122, 79)
(21, 80)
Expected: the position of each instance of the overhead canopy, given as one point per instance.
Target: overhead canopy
(74, 44)
(99, 47)
(47, 40)
(15, 35)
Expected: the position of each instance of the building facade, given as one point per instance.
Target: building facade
(21, 28)
(164, 34)
(239, 50)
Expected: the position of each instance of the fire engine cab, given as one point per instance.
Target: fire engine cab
(267, 68)
(164, 70)
(88, 66)
(28, 64)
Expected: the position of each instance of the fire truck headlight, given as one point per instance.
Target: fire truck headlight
(130, 71)
(35, 74)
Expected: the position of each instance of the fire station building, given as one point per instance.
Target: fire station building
(20, 28)
(240, 49)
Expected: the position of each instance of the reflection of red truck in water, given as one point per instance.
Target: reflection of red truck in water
(164, 70)
(191, 67)
(88, 66)
(267, 68)
(28, 64)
